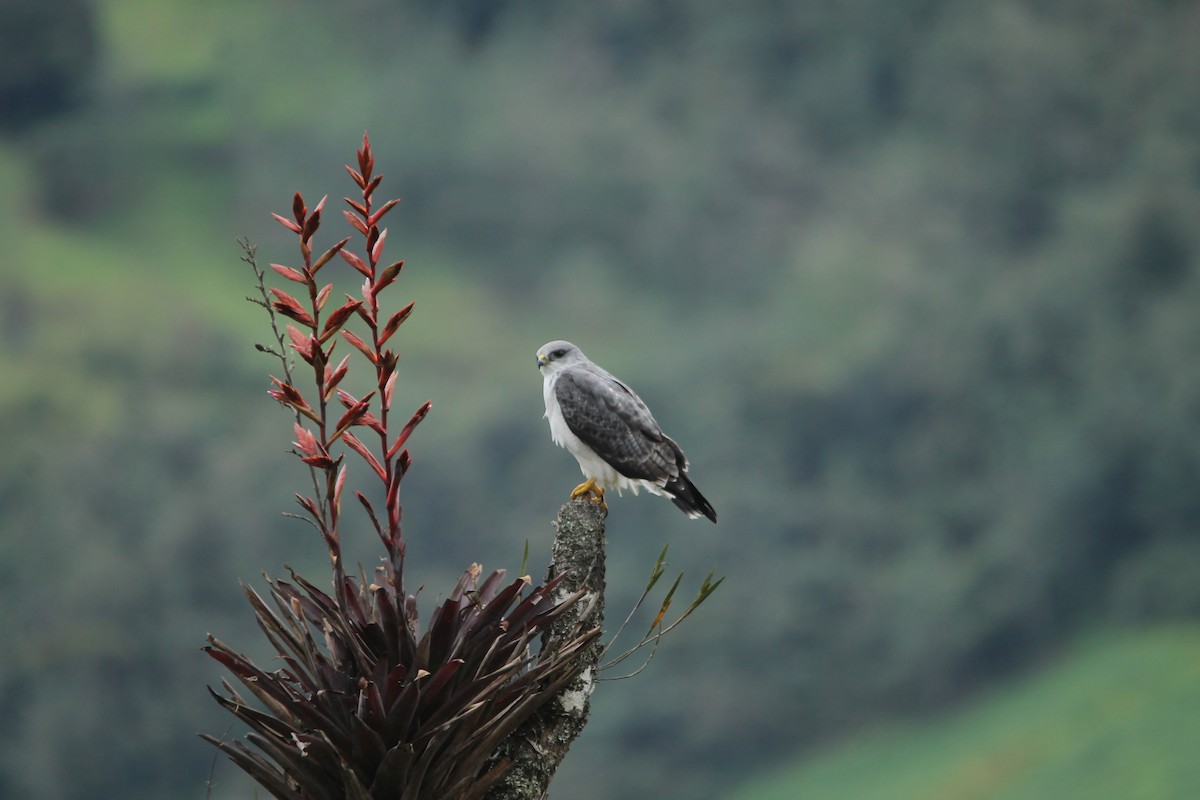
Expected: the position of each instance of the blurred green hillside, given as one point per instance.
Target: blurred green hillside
(1118, 718)
(914, 283)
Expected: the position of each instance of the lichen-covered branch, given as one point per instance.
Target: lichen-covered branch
(537, 747)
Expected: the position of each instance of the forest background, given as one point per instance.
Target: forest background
(914, 282)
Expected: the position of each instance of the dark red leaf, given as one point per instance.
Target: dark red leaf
(377, 247)
(372, 186)
(333, 376)
(337, 318)
(359, 345)
(328, 254)
(351, 417)
(392, 499)
(388, 275)
(407, 430)
(366, 161)
(323, 295)
(290, 307)
(355, 261)
(386, 207)
(355, 222)
(395, 321)
(310, 225)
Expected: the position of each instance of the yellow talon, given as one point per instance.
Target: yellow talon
(589, 487)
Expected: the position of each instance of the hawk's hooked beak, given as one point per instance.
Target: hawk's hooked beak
(542, 360)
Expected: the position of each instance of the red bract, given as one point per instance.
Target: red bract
(288, 272)
(338, 318)
(290, 307)
(287, 223)
(394, 322)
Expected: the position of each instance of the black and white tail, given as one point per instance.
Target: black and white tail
(684, 494)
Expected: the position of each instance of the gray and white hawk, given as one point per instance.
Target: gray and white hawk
(611, 432)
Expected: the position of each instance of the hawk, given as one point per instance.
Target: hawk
(611, 432)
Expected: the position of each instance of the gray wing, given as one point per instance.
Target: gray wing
(609, 418)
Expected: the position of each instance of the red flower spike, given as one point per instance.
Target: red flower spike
(299, 211)
(328, 254)
(355, 261)
(289, 273)
(323, 295)
(357, 446)
(378, 215)
(394, 322)
(287, 223)
(359, 345)
(355, 222)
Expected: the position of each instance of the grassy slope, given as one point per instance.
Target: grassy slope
(1118, 717)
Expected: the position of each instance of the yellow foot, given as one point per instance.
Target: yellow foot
(589, 487)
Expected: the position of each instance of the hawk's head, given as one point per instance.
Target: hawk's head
(553, 356)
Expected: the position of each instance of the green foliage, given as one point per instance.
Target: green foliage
(1117, 717)
(48, 52)
(914, 282)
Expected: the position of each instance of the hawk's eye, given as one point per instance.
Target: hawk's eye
(559, 353)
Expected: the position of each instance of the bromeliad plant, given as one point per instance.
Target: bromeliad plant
(364, 705)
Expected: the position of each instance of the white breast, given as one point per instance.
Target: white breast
(591, 465)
